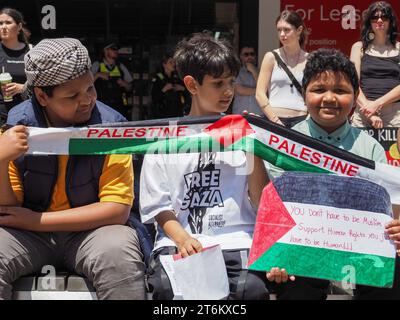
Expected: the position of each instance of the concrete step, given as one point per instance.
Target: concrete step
(66, 286)
(63, 286)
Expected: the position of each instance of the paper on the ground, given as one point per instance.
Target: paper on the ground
(201, 276)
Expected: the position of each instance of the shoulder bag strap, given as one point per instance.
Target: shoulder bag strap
(288, 72)
(398, 48)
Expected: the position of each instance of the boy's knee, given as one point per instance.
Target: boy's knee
(118, 243)
(6, 241)
(12, 260)
(115, 256)
(5, 270)
(115, 264)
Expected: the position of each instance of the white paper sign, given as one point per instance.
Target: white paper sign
(201, 276)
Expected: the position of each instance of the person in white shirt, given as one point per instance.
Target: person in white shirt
(200, 199)
(280, 97)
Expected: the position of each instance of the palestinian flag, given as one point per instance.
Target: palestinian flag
(282, 147)
(325, 226)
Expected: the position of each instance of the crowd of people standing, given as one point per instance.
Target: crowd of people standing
(273, 90)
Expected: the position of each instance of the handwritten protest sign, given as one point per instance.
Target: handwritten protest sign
(316, 237)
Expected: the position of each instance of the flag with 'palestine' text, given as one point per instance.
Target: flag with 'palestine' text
(282, 147)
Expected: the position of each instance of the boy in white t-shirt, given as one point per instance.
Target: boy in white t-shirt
(201, 199)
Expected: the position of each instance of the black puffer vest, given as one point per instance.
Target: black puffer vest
(39, 173)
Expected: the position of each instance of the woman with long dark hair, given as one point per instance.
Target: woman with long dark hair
(13, 48)
(377, 59)
(279, 94)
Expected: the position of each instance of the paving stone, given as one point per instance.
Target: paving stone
(47, 283)
(27, 283)
(77, 283)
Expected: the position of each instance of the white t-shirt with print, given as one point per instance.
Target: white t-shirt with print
(207, 191)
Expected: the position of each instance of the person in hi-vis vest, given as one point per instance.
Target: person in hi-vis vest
(112, 80)
(169, 96)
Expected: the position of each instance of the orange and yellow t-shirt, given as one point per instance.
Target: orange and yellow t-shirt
(115, 184)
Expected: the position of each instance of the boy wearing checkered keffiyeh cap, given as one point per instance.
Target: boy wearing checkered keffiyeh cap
(56, 61)
(63, 66)
(75, 207)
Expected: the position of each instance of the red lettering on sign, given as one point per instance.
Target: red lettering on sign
(333, 165)
(181, 131)
(327, 159)
(168, 132)
(151, 131)
(105, 133)
(284, 145)
(140, 132)
(128, 133)
(305, 154)
(352, 170)
(115, 134)
(92, 131)
(316, 158)
(341, 167)
(292, 151)
(273, 139)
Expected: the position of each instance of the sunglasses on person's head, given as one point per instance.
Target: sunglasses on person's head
(114, 48)
(246, 54)
(376, 17)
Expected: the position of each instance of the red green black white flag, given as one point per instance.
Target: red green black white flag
(282, 147)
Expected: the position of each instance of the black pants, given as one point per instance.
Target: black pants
(243, 284)
(302, 289)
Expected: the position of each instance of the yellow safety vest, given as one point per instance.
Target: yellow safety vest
(113, 73)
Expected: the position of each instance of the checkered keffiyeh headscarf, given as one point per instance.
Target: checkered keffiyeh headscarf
(55, 61)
